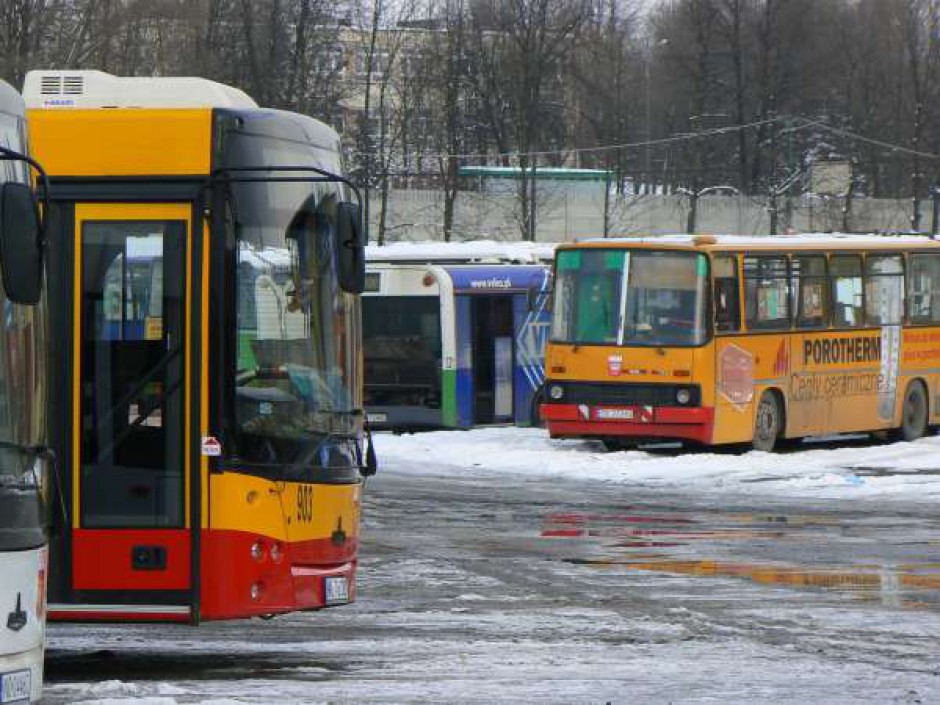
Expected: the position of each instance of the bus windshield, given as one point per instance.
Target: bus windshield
(630, 297)
(295, 387)
(296, 362)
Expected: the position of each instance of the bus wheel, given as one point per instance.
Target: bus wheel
(914, 413)
(767, 423)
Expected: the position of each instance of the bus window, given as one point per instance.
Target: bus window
(810, 288)
(666, 299)
(587, 296)
(846, 274)
(767, 292)
(402, 349)
(924, 289)
(727, 294)
(884, 290)
(630, 297)
(132, 359)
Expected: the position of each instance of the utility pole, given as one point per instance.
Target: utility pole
(647, 186)
(774, 213)
(935, 224)
(916, 176)
(607, 201)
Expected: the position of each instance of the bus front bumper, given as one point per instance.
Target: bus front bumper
(238, 582)
(639, 422)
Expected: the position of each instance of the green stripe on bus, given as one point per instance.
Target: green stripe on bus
(449, 396)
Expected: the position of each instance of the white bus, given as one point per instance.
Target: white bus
(24, 489)
(453, 345)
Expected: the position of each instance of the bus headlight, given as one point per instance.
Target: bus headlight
(257, 551)
(683, 396)
(556, 391)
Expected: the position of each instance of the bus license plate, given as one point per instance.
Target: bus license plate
(15, 687)
(337, 590)
(615, 414)
(377, 417)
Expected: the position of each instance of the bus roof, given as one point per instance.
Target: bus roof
(162, 127)
(97, 89)
(725, 243)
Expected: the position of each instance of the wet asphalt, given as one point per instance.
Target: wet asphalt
(489, 588)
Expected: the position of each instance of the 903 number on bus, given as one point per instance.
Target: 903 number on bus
(305, 504)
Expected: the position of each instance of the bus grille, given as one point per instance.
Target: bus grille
(625, 394)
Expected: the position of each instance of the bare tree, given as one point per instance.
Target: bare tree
(528, 43)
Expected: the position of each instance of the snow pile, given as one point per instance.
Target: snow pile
(908, 471)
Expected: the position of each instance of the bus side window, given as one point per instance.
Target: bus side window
(767, 292)
(811, 289)
(727, 294)
(845, 272)
(884, 289)
(924, 289)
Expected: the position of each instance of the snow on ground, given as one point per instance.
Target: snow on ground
(899, 471)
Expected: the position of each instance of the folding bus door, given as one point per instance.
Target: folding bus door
(130, 538)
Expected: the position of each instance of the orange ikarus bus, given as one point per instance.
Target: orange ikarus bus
(714, 340)
(206, 257)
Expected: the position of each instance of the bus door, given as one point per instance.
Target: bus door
(130, 536)
(492, 326)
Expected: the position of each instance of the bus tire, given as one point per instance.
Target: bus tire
(913, 413)
(768, 423)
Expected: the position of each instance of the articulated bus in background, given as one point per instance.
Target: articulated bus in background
(204, 299)
(453, 345)
(24, 462)
(733, 340)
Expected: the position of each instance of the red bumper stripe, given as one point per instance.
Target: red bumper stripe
(669, 422)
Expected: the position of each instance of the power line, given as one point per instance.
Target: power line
(869, 140)
(682, 137)
(805, 123)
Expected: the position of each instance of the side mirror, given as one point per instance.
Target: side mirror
(351, 248)
(20, 244)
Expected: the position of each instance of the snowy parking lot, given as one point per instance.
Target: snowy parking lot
(500, 566)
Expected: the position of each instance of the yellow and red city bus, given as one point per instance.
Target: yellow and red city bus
(206, 258)
(714, 340)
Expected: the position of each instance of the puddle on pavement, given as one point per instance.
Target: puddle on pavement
(874, 471)
(626, 541)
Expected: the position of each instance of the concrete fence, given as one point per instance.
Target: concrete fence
(418, 215)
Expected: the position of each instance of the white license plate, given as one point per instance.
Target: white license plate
(378, 417)
(337, 590)
(621, 414)
(15, 687)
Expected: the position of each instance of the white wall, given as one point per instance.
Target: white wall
(417, 215)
